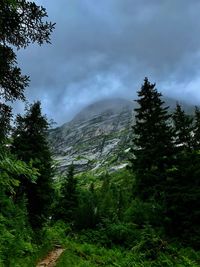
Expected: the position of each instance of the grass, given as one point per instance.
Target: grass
(89, 255)
(79, 252)
(28, 260)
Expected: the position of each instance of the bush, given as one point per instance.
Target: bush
(124, 234)
(98, 237)
(150, 244)
(56, 234)
(142, 213)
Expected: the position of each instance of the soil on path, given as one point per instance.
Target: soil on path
(51, 259)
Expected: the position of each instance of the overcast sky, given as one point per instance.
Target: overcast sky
(105, 48)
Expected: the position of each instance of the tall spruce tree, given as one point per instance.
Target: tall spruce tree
(196, 136)
(87, 213)
(183, 126)
(5, 126)
(183, 198)
(69, 198)
(152, 142)
(30, 145)
(21, 23)
(182, 192)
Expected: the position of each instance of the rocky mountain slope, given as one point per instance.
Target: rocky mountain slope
(98, 136)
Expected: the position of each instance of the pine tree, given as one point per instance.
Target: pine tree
(196, 137)
(5, 127)
(30, 145)
(87, 212)
(183, 198)
(21, 23)
(182, 191)
(107, 199)
(152, 142)
(183, 126)
(69, 197)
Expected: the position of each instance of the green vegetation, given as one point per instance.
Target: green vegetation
(30, 145)
(88, 255)
(145, 215)
(21, 23)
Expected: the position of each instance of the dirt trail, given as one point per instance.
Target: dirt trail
(51, 259)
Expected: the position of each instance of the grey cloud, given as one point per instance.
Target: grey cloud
(105, 48)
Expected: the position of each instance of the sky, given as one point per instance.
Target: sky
(104, 49)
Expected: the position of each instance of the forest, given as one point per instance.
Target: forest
(146, 214)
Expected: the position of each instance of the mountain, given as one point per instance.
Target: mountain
(98, 136)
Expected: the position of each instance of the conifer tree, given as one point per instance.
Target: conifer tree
(183, 198)
(87, 213)
(21, 23)
(108, 199)
(182, 129)
(182, 192)
(196, 137)
(69, 198)
(30, 145)
(5, 127)
(152, 142)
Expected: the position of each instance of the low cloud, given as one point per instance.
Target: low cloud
(106, 48)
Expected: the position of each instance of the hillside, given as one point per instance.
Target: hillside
(98, 136)
(100, 133)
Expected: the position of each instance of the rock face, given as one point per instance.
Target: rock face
(98, 136)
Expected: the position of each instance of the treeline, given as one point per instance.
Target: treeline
(158, 193)
(25, 160)
(166, 163)
(153, 202)
(26, 190)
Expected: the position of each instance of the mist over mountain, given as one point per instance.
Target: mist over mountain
(99, 135)
(106, 49)
(112, 106)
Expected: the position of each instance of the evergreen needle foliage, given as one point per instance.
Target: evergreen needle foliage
(67, 204)
(152, 143)
(148, 216)
(30, 145)
(21, 23)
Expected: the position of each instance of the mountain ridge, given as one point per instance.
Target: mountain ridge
(99, 135)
